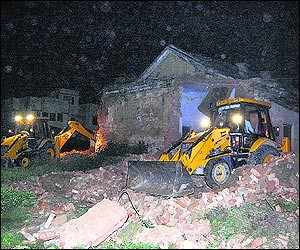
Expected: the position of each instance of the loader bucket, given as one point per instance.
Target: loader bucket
(159, 178)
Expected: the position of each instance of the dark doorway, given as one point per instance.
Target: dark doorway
(185, 130)
(287, 132)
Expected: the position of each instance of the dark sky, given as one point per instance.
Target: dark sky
(85, 45)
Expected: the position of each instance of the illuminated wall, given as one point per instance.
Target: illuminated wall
(190, 100)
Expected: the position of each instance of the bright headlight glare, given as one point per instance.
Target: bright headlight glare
(18, 118)
(29, 117)
(237, 118)
(205, 122)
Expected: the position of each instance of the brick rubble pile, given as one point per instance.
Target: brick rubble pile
(174, 220)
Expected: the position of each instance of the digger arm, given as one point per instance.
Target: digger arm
(165, 157)
(65, 135)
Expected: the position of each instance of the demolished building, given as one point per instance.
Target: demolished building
(174, 93)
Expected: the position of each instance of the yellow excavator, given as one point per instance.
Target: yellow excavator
(231, 140)
(32, 138)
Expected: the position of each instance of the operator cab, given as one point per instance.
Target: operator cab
(248, 121)
(36, 127)
(244, 118)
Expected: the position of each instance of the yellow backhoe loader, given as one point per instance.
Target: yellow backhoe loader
(240, 133)
(33, 139)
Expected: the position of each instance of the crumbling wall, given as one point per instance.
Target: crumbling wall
(281, 116)
(145, 115)
(245, 89)
(280, 112)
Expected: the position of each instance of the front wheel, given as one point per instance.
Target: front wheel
(262, 155)
(216, 172)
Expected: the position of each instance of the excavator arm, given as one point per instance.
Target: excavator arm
(64, 135)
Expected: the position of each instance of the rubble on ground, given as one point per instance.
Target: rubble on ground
(174, 220)
(94, 226)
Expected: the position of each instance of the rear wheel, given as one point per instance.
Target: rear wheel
(216, 172)
(262, 155)
(23, 161)
(47, 151)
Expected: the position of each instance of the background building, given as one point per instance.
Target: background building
(60, 106)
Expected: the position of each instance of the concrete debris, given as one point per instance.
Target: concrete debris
(27, 235)
(236, 242)
(247, 242)
(94, 226)
(175, 220)
(59, 220)
(49, 220)
(278, 208)
(47, 234)
(187, 244)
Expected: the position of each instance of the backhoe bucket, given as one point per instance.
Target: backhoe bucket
(159, 178)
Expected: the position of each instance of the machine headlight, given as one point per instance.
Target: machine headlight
(237, 118)
(18, 118)
(205, 123)
(29, 117)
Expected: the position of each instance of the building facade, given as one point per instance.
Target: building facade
(60, 106)
(173, 95)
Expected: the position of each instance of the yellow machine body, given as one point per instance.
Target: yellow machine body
(214, 153)
(37, 140)
(215, 139)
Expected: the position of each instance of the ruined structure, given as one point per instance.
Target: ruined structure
(174, 93)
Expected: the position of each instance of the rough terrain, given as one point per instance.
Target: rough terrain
(175, 221)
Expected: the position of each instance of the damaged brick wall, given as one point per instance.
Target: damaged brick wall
(150, 115)
(281, 112)
(281, 116)
(145, 115)
(149, 109)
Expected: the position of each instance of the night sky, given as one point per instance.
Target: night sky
(85, 45)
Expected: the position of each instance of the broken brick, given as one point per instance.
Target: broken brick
(192, 206)
(232, 190)
(47, 234)
(258, 242)
(268, 171)
(255, 172)
(165, 218)
(181, 203)
(270, 185)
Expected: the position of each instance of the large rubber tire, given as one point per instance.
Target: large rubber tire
(23, 161)
(47, 151)
(262, 155)
(216, 172)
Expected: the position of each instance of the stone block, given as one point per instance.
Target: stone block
(94, 226)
